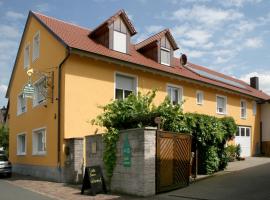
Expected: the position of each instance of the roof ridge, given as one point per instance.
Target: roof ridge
(69, 23)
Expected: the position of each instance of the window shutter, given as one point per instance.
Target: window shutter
(125, 83)
(120, 41)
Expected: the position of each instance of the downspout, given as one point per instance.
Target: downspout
(59, 109)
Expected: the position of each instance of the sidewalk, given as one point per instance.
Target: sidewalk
(70, 192)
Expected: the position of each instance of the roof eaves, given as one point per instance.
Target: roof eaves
(158, 71)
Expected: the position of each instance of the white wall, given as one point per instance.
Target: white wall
(265, 116)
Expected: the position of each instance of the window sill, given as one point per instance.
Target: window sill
(44, 153)
(21, 154)
(199, 104)
(219, 113)
(244, 118)
(165, 64)
(21, 113)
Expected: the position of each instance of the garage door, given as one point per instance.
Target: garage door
(243, 137)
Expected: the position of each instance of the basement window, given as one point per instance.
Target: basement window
(39, 141)
(21, 144)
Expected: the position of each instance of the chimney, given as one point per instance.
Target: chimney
(254, 82)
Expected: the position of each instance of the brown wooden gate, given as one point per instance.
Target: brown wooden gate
(172, 161)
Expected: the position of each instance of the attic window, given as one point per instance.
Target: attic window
(165, 52)
(119, 36)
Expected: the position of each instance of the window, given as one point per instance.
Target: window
(243, 105)
(21, 144)
(40, 92)
(175, 94)
(243, 131)
(165, 56)
(39, 141)
(36, 44)
(27, 56)
(199, 96)
(119, 36)
(221, 105)
(124, 86)
(254, 107)
(21, 104)
(165, 53)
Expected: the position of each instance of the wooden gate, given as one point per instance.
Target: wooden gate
(172, 161)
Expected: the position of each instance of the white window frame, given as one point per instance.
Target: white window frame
(35, 151)
(35, 103)
(180, 89)
(167, 50)
(245, 127)
(35, 55)
(245, 103)
(25, 144)
(26, 65)
(225, 109)
(202, 94)
(19, 109)
(128, 75)
(254, 108)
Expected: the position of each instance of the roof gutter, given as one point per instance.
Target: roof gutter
(60, 67)
(155, 71)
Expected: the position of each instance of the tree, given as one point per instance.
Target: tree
(4, 137)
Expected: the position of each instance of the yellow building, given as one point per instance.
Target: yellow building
(75, 69)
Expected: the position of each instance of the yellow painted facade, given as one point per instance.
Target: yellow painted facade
(88, 83)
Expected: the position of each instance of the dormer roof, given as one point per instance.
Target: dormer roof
(121, 13)
(156, 37)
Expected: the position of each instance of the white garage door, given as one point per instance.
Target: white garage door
(243, 137)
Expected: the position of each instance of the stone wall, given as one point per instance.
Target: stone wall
(139, 178)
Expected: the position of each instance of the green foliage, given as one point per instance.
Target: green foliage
(110, 138)
(238, 151)
(210, 133)
(231, 152)
(4, 135)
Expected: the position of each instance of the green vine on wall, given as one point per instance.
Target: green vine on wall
(211, 133)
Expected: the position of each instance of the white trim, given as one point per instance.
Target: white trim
(34, 103)
(226, 109)
(244, 117)
(39, 153)
(128, 75)
(19, 112)
(34, 58)
(25, 144)
(199, 91)
(176, 86)
(26, 66)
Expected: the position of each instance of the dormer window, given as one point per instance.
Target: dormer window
(115, 32)
(158, 47)
(119, 36)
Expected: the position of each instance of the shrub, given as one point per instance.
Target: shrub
(231, 152)
(210, 133)
(238, 151)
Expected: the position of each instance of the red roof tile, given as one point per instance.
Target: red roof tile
(156, 37)
(77, 37)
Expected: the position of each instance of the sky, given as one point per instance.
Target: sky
(230, 36)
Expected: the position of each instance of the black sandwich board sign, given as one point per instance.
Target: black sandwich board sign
(93, 179)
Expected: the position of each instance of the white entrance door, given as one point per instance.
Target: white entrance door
(243, 137)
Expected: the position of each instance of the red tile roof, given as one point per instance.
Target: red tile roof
(109, 21)
(77, 37)
(156, 37)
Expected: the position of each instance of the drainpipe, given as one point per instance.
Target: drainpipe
(59, 109)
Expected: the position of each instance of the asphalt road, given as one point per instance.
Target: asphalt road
(11, 192)
(248, 184)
